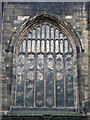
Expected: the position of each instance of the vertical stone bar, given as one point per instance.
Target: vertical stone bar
(34, 105)
(54, 72)
(49, 39)
(64, 73)
(34, 102)
(26, 61)
(54, 81)
(21, 47)
(0, 59)
(59, 44)
(45, 70)
(40, 40)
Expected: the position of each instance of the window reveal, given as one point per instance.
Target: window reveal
(45, 69)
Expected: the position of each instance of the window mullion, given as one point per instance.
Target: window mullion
(34, 105)
(35, 80)
(54, 72)
(25, 75)
(59, 44)
(45, 62)
(21, 47)
(68, 46)
(64, 73)
(40, 39)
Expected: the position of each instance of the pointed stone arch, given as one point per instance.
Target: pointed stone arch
(63, 26)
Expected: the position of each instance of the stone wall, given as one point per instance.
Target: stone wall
(15, 13)
(89, 46)
(0, 61)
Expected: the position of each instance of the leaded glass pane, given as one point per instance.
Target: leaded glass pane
(33, 45)
(70, 48)
(33, 33)
(59, 81)
(61, 46)
(29, 35)
(24, 45)
(56, 46)
(61, 36)
(40, 81)
(30, 81)
(47, 31)
(69, 81)
(43, 31)
(52, 45)
(52, 33)
(38, 46)
(50, 81)
(20, 80)
(29, 45)
(47, 46)
(38, 32)
(43, 46)
(56, 34)
(66, 46)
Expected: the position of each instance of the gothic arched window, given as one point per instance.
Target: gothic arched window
(45, 68)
